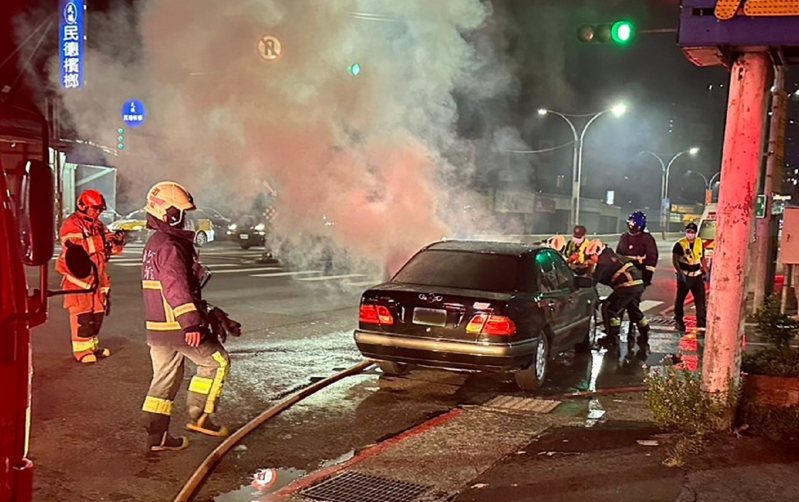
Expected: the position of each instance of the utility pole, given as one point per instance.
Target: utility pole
(739, 169)
(764, 227)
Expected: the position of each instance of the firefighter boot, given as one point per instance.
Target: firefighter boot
(102, 353)
(88, 359)
(160, 442)
(204, 425)
(643, 337)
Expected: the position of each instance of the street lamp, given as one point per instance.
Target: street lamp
(577, 155)
(666, 170)
(708, 184)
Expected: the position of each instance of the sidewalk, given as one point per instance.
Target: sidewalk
(547, 447)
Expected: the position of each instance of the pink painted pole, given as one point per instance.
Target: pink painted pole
(739, 169)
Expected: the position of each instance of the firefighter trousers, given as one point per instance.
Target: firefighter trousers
(84, 327)
(696, 286)
(205, 388)
(613, 309)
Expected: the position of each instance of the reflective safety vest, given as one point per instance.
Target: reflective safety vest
(574, 253)
(690, 261)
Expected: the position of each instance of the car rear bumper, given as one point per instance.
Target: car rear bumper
(446, 353)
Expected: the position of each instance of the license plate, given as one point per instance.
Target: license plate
(430, 317)
(244, 236)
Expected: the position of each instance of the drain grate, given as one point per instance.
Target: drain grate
(357, 487)
(662, 321)
(524, 404)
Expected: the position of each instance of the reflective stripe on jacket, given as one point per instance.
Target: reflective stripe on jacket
(621, 275)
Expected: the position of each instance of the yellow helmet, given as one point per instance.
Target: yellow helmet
(168, 200)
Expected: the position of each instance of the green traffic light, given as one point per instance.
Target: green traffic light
(120, 131)
(120, 146)
(354, 69)
(622, 32)
(120, 138)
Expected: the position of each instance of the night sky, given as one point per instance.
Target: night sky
(670, 100)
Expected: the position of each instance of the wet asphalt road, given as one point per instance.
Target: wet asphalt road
(297, 327)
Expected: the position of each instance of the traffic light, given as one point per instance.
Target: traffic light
(120, 139)
(620, 33)
(354, 69)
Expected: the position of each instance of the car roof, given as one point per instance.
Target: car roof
(492, 247)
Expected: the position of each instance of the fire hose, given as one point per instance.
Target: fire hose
(207, 466)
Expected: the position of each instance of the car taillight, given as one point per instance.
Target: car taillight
(375, 314)
(489, 324)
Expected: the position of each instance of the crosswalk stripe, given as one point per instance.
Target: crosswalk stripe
(287, 274)
(243, 270)
(649, 305)
(330, 277)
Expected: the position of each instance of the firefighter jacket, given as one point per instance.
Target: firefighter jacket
(171, 285)
(642, 250)
(575, 255)
(97, 241)
(618, 273)
(689, 256)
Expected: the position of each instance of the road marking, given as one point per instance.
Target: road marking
(647, 305)
(243, 270)
(287, 274)
(330, 277)
(363, 283)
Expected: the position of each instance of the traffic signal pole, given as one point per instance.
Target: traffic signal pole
(739, 170)
(764, 281)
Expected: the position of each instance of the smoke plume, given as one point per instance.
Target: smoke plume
(370, 153)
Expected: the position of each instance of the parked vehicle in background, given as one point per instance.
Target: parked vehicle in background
(707, 231)
(248, 232)
(135, 227)
(478, 306)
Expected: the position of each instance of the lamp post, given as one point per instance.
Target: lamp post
(664, 183)
(708, 185)
(577, 154)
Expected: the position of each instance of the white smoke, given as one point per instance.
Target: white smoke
(369, 152)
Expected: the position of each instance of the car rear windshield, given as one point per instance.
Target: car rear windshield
(461, 269)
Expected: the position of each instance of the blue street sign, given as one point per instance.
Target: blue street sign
(133, 113)
(71, 46)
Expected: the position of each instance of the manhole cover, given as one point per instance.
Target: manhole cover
(357, 487)
(524, 404)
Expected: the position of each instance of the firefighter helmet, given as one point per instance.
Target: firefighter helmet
(637, 221)
(168, 201)
(91, 198)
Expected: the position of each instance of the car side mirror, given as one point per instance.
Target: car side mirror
(583, 282)
(37, 214)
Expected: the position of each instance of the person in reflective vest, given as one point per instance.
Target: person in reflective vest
(575, 251)
(86, 311)
(625, 279)
(177, 323)
(688, 258)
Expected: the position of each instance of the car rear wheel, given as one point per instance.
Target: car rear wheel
(392, 368)
(200, 239)
(585, 345)
(533, 376)
(244, 246)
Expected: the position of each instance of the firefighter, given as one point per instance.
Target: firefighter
(86, 311)
(625, 279)
(574, 251)
(688, 257)
(638, 246)
(177, 324)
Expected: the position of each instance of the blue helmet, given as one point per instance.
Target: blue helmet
(637, 221)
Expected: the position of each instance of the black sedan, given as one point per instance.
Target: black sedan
(478, 306)
(249, 232)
